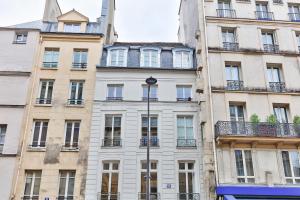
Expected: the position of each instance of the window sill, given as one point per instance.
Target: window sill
(15, 42)
(186, 147)
(241, 1)
(49, 68)
(111, 147)
(78, 69)
(36, 149)
(42, 105)
(75, 106)
(151, 147)
(70, 149)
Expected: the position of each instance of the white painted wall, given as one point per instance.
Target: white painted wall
(7, 166)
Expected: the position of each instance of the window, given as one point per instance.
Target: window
(20, 38)
(184, 93)
(115, 92)
(66, 185)
(233, 77)
(237, 119)
(76, 90)
(152, 95)
(80, 58)
(72, 28)
(298, 40)
(51, 58)
(32, 185)
(291, 166)
(294, 12)
(244, 166)
(46, 89)
(224, 9)
(229, 39)
(153, 131)
(183, 59)
(185, 132)
(72, 134)
(262, 12)
(269, 42)
(3, 128)
(186, 181)
(117, 57)
(112, 135)
(110, 181)
(153, 181)
(150, 58)
(40, 128)
(275, 79)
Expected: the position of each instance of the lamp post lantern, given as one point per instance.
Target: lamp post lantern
(150, 81)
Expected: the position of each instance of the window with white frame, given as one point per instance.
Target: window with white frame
(32, 185)
(72, 27)
(66, 185)
(298, 40)
(150, 57)
(21, 38)
(275, 78)
(185, 132)
(294, 12)
(153, 131)
(112, 134)
(76, 93)
(153, 180)
(232, 72)
(110, 181)
(115, 92)
(268, 38)
(46, 90)
(72, 134)
(40, 128)
(291, 164)
(80, 57)
(183, 59)
(3, 128)
(184, 92)
(186, 180)
(51, 56)
(152, 95)
(117, 57)
(244, 166)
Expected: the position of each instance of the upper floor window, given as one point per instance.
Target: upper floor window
(298, 40)
(115, 92)
(186, 178)
(3, 128)
(184, 92)
(152, 94)
(262, 12)
(80, 58)
(294, 12)
(76, 93)
(117, 57)
(281, 114)
(40, 128)
(51, 58)
(21, 38)
(72, 134)
(229, 39)
(150, 57)
(46, 89)
(72, 27)
(236, 113)
(183, 58)
(269, 41)
(153, 131)
(233, 77)
(224, 9)
(32, 184)
(112, 134)
(291, 164)
(275, 78)
(66, 185)
(185, 132)
(244, 166)
(110, 180)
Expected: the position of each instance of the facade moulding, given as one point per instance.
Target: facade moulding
(294, 92)
(16, 73)
(252, 51)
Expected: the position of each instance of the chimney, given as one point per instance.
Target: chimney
(107, 20)
(52, 11)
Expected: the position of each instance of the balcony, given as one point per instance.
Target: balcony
(114, 98)
(109, 142)
(153, 196)
(150, 99)
(271, 48)
(45, 101)
(188, 196)
(79, 65)
(278, 1)
(75, 101)
(186, 143)
(226, 13)
(230, 46)
(109, 196)
(154, 141)
(50, 65)
(66, 198)
(263, 15)
(184, 99)
(294, 17)
(30, 198)
(235, 85)
(277, 86)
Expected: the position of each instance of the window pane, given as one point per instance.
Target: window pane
(182, 183)
(114, 183)
(44, 134)
(286, 164)
(190, 182)
(36, 133)
(70, 191)
(105, 183)
(239, 163)
(249, 164)
(153, 182)
(295, 163)
(180, 92)
(68, 134)
(62, 185)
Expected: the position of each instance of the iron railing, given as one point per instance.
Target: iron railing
(35, 144)
(261, 129)
(75, 101)
(79, 65)
(50, 64)
(186, 143)
(230, 46)
(154, 141)
(1, 148)
(235, 85)
(278, 1)
(184, 99)
(108, 196)
(264, 15)
(294, 17)
(153, 196)
(114, 98)
(43, 100)
(277, 86)
(150, 99)
(71, 145)
(30, 198)
(272, 48)
(109, 142)
(66, 198)
(188, 196)
(226, 13)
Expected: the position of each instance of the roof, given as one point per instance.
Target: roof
(38, 24)
(151, 44)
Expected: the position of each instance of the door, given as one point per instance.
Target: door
(282, 118)
(237, 119)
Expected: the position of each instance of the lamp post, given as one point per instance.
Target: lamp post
(150, 81)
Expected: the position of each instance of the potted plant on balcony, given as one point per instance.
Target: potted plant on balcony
(272, 125)
(254, 119)
(297, 125)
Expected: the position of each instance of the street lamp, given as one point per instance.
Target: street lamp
(150, 81)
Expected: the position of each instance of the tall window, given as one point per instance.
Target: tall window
(153, 131)
(183, 59)
(244, 166)
(117, 57)
(262, 11)
(186, 181)
(185, 132)
(291, 164)
(110, 181)
(294, 12)
(40, 128)
(150, 58)
(275, 79)
(51, 56)
(76, 90)
(72, 27)
(269, 42)
(115, 92)
(153, 93)
(32, 185)
(72, 134)
(237, 119)
(66, 185)
(224, 9)
(46, 89)
(21, 38)
(184, 92)
(153, 180)
(3, 128)
(233, 77)
(80, 58)
(112, 135)
(229, 39)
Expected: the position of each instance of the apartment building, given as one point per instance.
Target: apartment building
(117, 153)
(249, 55)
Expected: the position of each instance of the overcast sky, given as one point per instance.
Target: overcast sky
(136, 20)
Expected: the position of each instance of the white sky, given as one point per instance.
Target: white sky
(136, 20)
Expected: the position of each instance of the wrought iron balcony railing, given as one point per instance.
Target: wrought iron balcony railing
(69, 145)
(294, 17)
(44, 101)
(264, 15)
(109, 196)
(50, 64)
(226, 13)
(230, 46)
(188, 196)
(79, 65)
(153, 196)
(184, 99)
(272, 48)
(114, 98)
(66, 198)
(75, 101)
(278, 1)
(277, 86)
(186, 143)
(109, 142)
(261, 129)
(154, 141)
(30, 198)
(150, 99)
(235, 85)
(38, 144)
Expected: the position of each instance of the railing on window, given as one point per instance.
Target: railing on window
(154, 141)
(114, 98)
(43, 100)
(184, 99)
(230, 46)
(79, 65)
(150, 99)
(50, 64)
(294, 17)
(1, 148)
(109, 142)
(226, 13)
(188, 196)
(75, 101)
(66, 198)
(108, 196)
(30, 198)
(277, 86)
(278, 1)
(261, 129)
(273, 48)
(186, 143)
(264, 15)
(153, 196)
(235, 85)
(35, 144)
(71, 145)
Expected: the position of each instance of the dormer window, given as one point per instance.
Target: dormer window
(182, 58)
(150, 57)
(20, 38)
(117, 57)
(72, 27)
